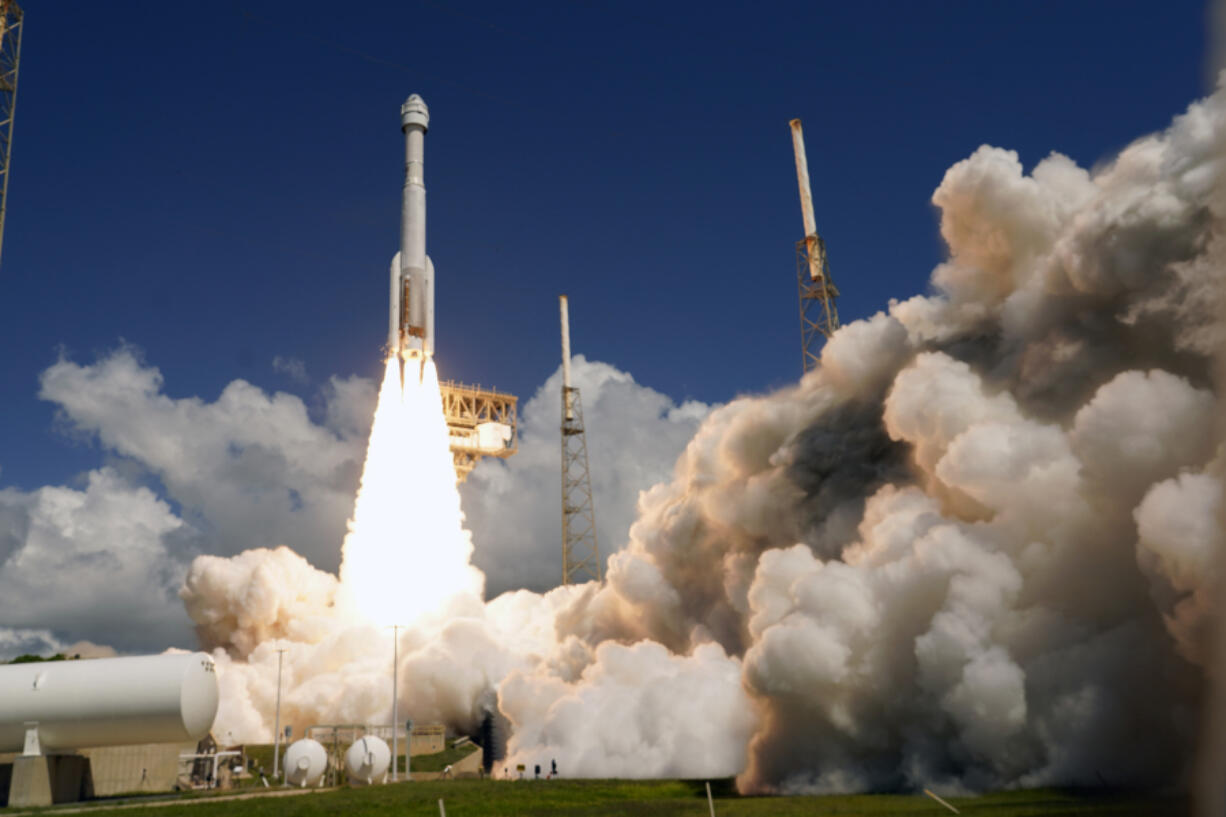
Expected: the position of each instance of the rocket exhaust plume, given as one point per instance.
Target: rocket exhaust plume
(407, 552)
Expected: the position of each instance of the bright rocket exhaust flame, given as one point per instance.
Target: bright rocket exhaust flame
(407, 552)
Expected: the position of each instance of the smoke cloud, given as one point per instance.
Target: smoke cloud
(973, 549)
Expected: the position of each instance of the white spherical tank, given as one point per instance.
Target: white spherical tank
(108, 701)
(305, 762)
(367, 759)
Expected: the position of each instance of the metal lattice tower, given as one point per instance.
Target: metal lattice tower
(10, 56)
(580, 555)
(819, 314)
(480, 422)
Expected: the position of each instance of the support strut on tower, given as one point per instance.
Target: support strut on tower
(580, 556)
(481, 422)
(819, 314)
(10, 56)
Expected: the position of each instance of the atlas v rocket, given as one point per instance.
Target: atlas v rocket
(411, 327)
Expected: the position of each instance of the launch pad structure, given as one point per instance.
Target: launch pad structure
(580, 553)
(11, 17)
(819, 314)
(481, 423)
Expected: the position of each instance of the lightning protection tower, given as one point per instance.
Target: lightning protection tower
(10, 55)
(580, 556)
(819, 314)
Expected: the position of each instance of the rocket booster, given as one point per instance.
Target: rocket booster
(411, 325)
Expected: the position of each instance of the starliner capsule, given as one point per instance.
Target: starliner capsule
(411, 326)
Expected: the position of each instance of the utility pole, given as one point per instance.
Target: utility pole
(396, 707)
(580, 556)
(276, 729)
(819, 314)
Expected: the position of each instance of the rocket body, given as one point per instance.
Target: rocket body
(411, 321)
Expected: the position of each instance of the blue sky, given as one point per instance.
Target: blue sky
(220, 185)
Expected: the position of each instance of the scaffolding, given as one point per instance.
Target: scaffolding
(580, 555)
(481, 423)
(819, 314)
(10, 56)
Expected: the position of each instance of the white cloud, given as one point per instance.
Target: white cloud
(513, 507)
(90, 563)
(15, 642)
(256, 470)
(292, 367)
(250, 469)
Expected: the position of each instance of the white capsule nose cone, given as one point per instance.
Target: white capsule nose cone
(414, 112)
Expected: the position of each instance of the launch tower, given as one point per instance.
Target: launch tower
(10, 55)
(819, 314)
(580, 556)
(481, 423)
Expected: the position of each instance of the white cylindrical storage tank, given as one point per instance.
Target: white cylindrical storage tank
(108, 701)
(305, 762)
(366, 760)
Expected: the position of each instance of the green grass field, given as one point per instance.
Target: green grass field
(598, 798)
(437, 762)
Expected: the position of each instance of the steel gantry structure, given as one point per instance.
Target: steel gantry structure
(819, 314)
(10, 57)
(481, 423)
(580, 554)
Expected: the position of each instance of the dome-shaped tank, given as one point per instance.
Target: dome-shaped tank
(366, 760)
(305, 762)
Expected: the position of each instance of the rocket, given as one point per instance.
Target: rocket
(411, 325)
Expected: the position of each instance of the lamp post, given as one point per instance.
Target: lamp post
(276, 735)
(396, 704)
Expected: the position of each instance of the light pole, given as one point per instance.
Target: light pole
(396, 703)
(276, 733)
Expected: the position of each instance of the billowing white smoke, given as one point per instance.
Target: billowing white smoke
(971, 550)
(635, 711)
(337, 660)
(337, 665)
